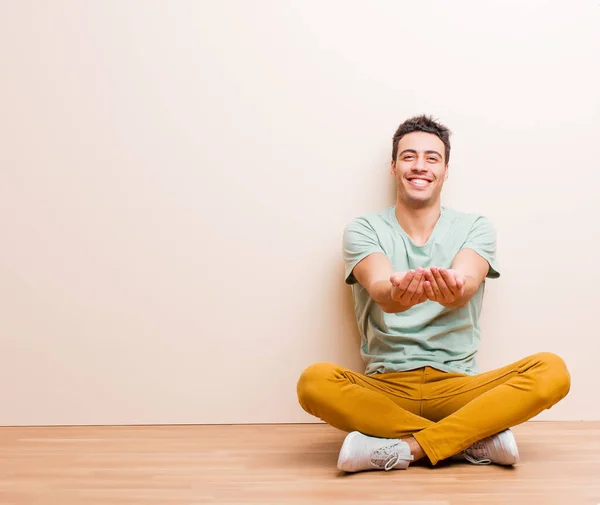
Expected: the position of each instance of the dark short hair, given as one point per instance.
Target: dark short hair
(425, 124)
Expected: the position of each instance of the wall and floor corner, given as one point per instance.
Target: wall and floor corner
(176, 177)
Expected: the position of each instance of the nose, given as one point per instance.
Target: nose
(419, 164)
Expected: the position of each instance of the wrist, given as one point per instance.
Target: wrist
(382, 293)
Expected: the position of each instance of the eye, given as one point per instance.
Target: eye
(432, 159)
(408, 157)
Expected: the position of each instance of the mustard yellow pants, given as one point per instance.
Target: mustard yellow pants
(445, 412)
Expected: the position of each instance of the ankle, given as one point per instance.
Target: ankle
(415, 449)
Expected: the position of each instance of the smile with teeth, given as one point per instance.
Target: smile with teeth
(419, 182)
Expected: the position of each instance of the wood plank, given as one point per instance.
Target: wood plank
(276, 464)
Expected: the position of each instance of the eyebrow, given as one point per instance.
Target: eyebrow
(415, 152)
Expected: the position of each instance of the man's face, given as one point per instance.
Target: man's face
(419, 169)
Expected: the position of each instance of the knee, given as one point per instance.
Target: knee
(312, 383)
(555, 382)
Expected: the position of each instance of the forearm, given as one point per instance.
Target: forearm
(381, 293)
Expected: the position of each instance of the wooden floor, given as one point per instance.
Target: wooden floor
(278, 464)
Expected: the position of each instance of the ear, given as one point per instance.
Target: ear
(393, 168)
(446, 174)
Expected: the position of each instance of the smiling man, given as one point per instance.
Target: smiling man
(418, 272)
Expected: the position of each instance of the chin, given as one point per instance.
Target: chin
(420, 204)
(417, 203)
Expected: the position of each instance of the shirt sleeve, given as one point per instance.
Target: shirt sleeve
(360, 240)
(482, 240)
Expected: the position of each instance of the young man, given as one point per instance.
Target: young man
(418, 271)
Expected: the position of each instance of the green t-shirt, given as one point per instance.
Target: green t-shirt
(427, 334)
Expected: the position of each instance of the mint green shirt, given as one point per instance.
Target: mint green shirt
(427, 334)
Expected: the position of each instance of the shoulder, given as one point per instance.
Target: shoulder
(467, 220)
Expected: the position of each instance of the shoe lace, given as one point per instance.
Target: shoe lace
(389, 456)
(477, 454)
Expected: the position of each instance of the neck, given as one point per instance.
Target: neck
(418, 223)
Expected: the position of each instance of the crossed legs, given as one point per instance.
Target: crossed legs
(444, 412)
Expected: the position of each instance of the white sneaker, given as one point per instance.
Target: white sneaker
(360, 452)
(500, 449)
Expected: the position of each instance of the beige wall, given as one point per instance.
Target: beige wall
(176, 177)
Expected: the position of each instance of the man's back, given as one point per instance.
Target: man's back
(428, 334)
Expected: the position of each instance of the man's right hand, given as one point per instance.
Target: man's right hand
(407, 287)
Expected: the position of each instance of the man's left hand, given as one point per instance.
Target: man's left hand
(445, 286)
